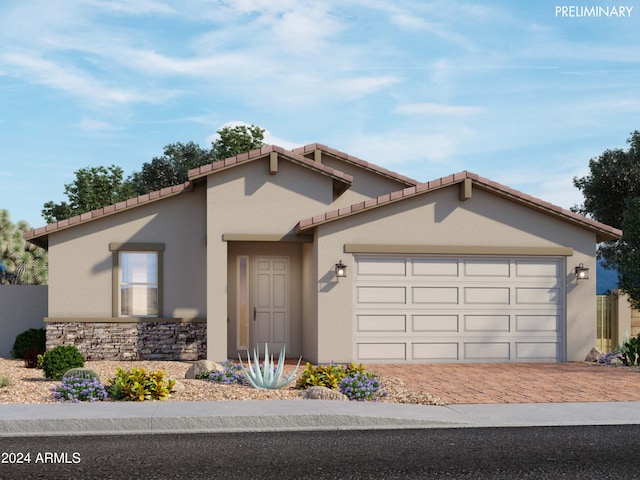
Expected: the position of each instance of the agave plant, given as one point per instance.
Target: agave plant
(271, 374)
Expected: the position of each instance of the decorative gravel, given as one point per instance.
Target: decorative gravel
(28, 385)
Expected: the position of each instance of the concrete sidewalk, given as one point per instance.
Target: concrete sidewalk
(286, 415)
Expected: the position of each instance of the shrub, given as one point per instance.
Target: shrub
(270, 376)
(29, 344)
(328, 375)
(5, 381)
(630, 351)
(79, 388)
(232, 374)
(361, 386)
(81, 372)
(60, 359)
(138, 385)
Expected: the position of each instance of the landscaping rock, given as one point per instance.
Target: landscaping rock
(593, 355)
(322, 393)
(202, 366)
(178, 387)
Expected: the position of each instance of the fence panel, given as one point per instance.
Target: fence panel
(607, 326)
(21, 307)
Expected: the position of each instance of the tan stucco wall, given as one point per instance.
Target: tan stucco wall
(365, 184)
(80, 263)
(247, 200)
(439, 218)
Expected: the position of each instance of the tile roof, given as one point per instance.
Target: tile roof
(345, 157)
(39, 236)
(210, 168)
(603, 232)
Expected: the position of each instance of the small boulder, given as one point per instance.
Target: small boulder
(178, 387)
(322, 393)
(202, 366)
(593, 355)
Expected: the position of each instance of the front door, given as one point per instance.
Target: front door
(271, 304)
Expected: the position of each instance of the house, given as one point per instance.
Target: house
(459, 269)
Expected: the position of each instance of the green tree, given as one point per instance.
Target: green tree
(611, 195)
(97, 187)
(171, 168)
(627, 258)
(21, 262)
(235, 140)
(93, 188)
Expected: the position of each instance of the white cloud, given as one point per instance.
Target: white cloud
(96, 125)
(438, 109)
(361, 86)
(77, 83)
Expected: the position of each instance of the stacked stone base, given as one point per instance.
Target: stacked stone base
(138, 340)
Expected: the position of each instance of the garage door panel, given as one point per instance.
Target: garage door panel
(537, 323)
(487, 351)
(544, 296)
(435, 351)
(486, 268)
(537, 268)
(435, 268)
(382, 351)
(462, 309)
(474, 295)
(381, 323)
(434, 323)
(435, 295)
(381, 295)
(486, 323)
(382, 266)
(537, 350)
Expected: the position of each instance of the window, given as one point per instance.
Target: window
(137, 280)
(138, 284)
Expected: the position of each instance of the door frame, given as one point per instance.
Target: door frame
(254, 300)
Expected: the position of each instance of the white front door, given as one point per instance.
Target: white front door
(271, 304)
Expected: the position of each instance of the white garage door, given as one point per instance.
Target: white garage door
(458, 309)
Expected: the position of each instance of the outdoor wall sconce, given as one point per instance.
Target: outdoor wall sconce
(341, 269)
(582, 272)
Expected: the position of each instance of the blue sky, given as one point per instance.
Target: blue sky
(507, 89)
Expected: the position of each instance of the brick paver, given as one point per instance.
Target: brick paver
(518, 383)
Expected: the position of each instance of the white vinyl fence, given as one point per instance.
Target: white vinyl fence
(21, 307)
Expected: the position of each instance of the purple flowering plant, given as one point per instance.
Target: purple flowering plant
(361, 386)
(231, 375)
(79, 388)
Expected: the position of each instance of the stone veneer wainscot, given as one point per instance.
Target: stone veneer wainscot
(132, 340)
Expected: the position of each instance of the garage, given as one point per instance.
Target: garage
(431, 308)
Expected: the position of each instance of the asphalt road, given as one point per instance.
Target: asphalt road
(592, 452)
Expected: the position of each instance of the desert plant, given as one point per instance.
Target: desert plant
(361, 386)
(232, 374)
(29, 344)
(271, 374)
(5, 381)
(79, 388)
(60, 359)
(81, 372)
(327, 375)
(138, 385)
(630, 351)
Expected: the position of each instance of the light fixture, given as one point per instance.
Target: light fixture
(582, 272)
(341, 269)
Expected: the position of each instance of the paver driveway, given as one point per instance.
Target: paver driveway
(519, 383)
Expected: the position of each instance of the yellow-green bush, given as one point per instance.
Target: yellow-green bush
(139, 385)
